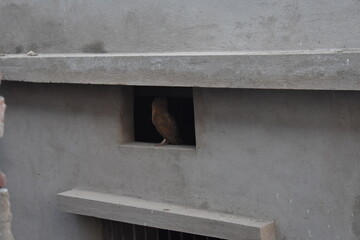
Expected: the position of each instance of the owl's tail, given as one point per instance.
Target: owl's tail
(178, 141)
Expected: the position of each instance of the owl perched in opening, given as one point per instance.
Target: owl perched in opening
(164, 123)
(2, 180)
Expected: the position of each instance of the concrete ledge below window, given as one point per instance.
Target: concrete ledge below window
(335, 69)
(154, 146)
(164, 215)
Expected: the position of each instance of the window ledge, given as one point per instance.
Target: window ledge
(154, 146)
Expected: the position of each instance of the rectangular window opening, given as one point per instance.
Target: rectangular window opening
(179, 105)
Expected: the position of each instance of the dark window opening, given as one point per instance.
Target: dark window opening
(180, 106)
(112, 230)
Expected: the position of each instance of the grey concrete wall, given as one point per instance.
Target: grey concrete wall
(163, 25)
(50, 132)
(292, 156)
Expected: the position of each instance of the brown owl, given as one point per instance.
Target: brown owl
(165, 123)
(2, 180)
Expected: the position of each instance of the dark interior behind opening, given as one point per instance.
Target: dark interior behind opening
(112, 230)
(180, 106)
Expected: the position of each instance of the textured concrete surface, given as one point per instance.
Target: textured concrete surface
(322, 69)
(41, 159)
(292, 156)
(162, 25)
(165, 216)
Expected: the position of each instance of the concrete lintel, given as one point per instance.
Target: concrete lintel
(164, 215)
(334, 69)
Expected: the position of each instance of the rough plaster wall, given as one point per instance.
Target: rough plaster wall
(292, 156)
(50, 130)
(163, 25)
(289, 156)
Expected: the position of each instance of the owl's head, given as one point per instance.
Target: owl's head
(159, 102)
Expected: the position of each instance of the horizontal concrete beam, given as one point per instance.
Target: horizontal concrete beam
(321, 69)
(165, 216)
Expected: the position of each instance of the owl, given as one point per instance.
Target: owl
(164, 123)
(2, 180)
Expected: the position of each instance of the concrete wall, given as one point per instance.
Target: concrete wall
(292, 156)
(50, 131)
(163, 25)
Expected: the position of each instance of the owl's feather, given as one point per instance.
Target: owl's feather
(164, 123)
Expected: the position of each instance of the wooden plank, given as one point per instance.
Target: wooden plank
(165, 216)
(335, 69)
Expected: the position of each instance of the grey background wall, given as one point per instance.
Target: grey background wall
(162, 25)
(291, 156)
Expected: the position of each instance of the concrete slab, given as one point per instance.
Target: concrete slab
(164, 215)
(321, 70)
